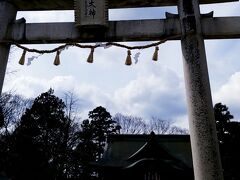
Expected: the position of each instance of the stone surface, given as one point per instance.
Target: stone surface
(26, 5)
(7, 16)
(138, 30)
(202, 126)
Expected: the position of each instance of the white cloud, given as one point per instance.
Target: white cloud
(89, 95)
(152, 94)
(230, 91)
(223, 60)
(229, 94)
(145, 89)
(182, 121)
(157, 92)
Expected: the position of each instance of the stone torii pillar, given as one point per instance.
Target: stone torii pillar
(7, 16)
(202, 126)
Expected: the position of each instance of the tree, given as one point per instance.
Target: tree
(41, 139)
(1, 117)
(93, 136)
(86, 151)
(72, 104)
(228, 133)
(130, 124)
(102, 126)
(223, 118)
(161, 126)
(12, 108)
(178, 130)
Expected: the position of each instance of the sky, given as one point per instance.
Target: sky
(145, 89)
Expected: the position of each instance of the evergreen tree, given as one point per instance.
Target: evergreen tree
(223, 118)
(93, 136)
(228, 133)
(40, 139)
(11, 109)
(102, 125)
(86, 150)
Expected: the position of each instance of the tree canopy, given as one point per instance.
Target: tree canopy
(47, 142)
(228, 133)
(44, 139)
(42, 132)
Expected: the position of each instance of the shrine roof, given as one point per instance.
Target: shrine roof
(124, 150)
(28, 5)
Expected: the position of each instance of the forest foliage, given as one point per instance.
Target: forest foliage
(45, 139)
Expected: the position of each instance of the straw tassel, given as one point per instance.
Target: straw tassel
(57, 59)
(90, 57)
(128, 59)
(22, 59)
(155, 55)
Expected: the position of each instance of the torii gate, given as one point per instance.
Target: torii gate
(194, 29)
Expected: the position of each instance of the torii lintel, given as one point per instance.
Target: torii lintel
(132, 30)
(28, 5)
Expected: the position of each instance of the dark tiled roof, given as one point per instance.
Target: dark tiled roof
(122, 149)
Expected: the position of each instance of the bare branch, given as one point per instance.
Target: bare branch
(130, 124)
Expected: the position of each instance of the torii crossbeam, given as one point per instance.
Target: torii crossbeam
(189, 23)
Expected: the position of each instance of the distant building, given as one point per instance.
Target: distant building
(146, 157)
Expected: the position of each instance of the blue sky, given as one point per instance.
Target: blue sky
(144, 89)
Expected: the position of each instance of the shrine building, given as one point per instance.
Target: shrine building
(146, 157)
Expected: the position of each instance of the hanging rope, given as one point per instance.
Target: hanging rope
(58, 49)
